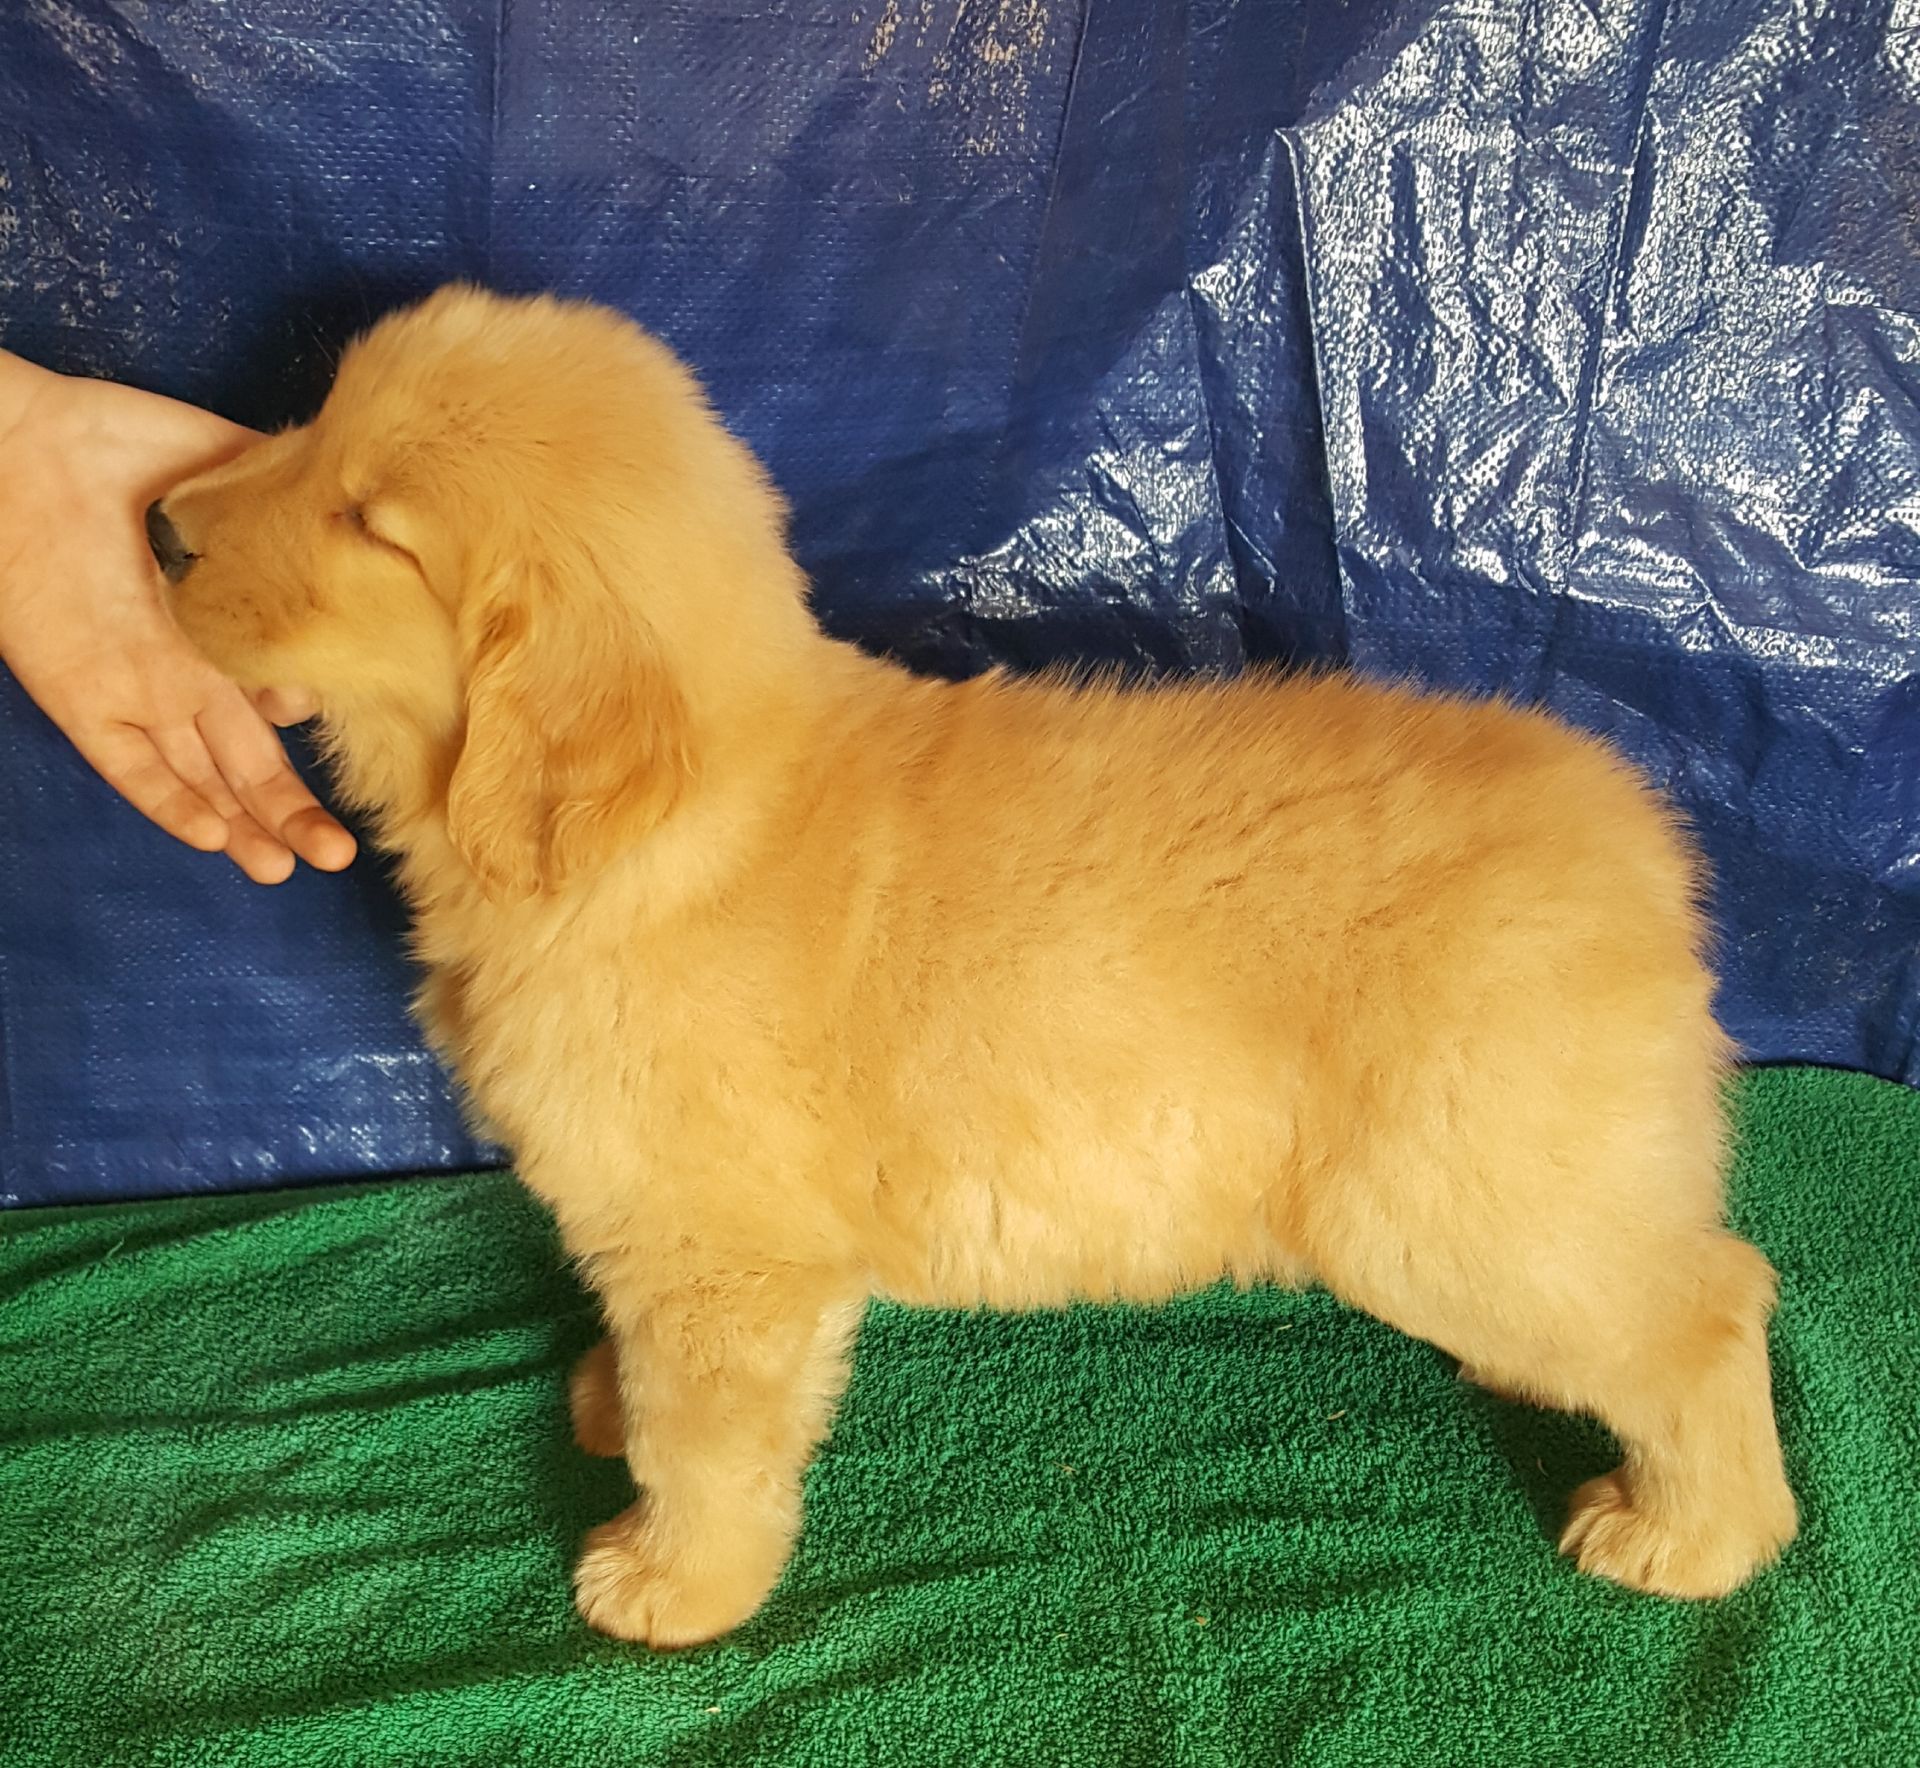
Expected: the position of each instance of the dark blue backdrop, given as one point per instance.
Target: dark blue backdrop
(1563, 350)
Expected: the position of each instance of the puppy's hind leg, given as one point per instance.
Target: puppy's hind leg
(1665, 1342)
(1701, 1501)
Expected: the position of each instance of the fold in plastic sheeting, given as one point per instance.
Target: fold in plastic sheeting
(1562, 351)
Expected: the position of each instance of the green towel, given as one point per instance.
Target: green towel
(287, 1479)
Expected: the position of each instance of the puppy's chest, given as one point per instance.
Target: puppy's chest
(595, 1057)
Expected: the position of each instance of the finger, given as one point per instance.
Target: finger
(124, 756)
(319, 839)
(263, 858)
(284, 706)
(283, 805)
(255, 766)
(250, 847)
(184, 750)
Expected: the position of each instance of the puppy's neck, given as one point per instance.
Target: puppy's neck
(393, 765)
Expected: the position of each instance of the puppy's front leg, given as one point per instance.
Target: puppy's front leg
(727, 1382)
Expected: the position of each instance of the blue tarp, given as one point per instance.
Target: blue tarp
(1563, 350)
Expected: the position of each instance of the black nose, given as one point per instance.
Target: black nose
(169, 550)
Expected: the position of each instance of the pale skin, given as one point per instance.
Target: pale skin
(84, 631)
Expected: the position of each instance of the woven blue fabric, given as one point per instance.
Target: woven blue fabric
(1561, 351)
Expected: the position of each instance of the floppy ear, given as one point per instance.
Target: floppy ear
(576, 735)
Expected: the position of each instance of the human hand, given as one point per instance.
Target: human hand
(83, 628)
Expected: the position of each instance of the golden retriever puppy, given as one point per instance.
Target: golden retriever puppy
(790, 978)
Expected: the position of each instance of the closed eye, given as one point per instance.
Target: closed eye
(355, 516)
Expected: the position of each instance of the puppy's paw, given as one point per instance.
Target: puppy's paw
(1610, 1535)
(634, 1584)
(593, 1397)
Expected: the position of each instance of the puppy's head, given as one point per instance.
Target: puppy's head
(517, 564)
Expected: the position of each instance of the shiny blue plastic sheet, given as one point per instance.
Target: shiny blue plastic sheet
(1566, 351)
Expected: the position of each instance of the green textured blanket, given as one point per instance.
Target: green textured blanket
(287, 1479)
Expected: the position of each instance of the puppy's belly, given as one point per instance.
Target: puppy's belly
(1098, 1224)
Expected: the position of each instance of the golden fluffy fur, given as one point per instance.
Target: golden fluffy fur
(790, 979)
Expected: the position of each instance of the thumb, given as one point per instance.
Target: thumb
(285, 705)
